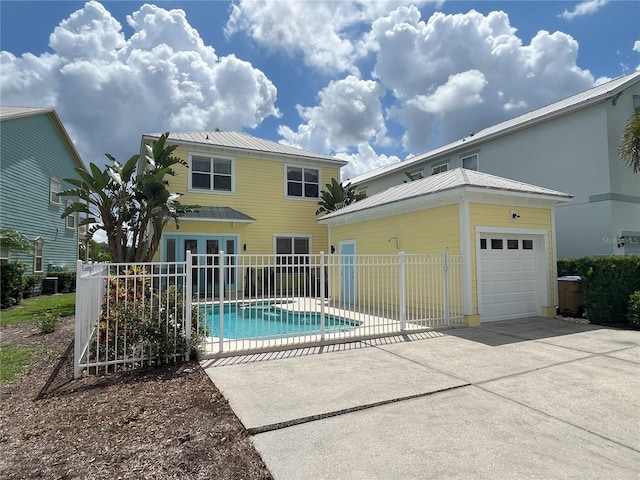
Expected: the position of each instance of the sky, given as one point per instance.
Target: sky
(370, 82)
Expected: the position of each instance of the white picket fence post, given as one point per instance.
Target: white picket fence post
(221, 298)
(445, 287)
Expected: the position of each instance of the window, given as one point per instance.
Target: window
(415, 175)
(443, 167)
(211, 174)
(4, 256)
(362, 191)
(527, 244)
(512, 244)
(71, 219)
(55, 187)
(470, 162)
(496, 244)
(292, 250)
(38, 251)
(483, 243)
(303, 182)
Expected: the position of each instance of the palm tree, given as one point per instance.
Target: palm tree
(629, 148)
(336, 196)
(131, 208)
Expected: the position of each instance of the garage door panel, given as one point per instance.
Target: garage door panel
(509, 280)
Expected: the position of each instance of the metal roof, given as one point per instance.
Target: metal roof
(441, 182)
(218, 214)
(575, 102)
(8, 112)
(244, 141)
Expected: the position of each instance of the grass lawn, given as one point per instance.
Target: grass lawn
(30, 309)
(13, 360)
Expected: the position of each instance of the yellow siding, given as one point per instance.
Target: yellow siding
(427, 231)
(488, 215)
(259, 193)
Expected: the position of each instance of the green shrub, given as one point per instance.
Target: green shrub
(66, 281)
(48, 321)
(137, 323)
(634, 309)
(32, 285)
(11, 284)
(607, 283)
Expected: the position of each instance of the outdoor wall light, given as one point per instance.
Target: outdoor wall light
(333, 249)
(513, 214)
(244, 247)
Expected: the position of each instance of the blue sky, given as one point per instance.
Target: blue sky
(370, 82)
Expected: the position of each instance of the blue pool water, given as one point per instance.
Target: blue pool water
(263, 320)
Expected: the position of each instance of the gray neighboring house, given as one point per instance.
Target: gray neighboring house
(570, 146)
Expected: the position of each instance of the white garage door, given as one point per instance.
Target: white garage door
(508, 277)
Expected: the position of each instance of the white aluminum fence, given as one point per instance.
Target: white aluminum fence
(279, 302)
(236, 304)
(129, 315)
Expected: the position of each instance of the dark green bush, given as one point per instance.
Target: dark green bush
(634, 309)
(11, 284)
(607, 283)
(66, 281)
(32, 285)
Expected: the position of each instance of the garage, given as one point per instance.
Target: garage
(502, 229)
(509, 277)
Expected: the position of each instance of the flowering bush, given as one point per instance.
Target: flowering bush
(137, 324)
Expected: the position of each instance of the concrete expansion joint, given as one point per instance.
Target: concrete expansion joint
(322, 416)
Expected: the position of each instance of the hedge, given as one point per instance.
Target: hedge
(607, 283)
(11, 284)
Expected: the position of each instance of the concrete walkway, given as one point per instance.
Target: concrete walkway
(523, 399)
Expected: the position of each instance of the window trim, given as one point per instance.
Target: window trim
(73, 216)
(39, 241)
(469, 155)
(211, 157)
(55, 181)
(302, 197)
(439, 165)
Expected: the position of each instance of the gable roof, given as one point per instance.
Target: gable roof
(567, 105)
(11, 113)
(442, 182)
(245, 142)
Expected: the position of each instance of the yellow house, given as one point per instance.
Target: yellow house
(503, 229)
(256, 196)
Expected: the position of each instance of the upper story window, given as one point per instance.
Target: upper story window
(210, 174)
(470, 162)
(38, 254)
(414, 175)
(442, 167)
(4, 256)
(71, 219)
(362, 191)
(303, 182)
(55, 187)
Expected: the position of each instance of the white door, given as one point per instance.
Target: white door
(508, 278)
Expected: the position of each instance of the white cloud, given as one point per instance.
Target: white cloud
(109, 90)
(328, 34)
(455, 74)
(587, 7)
(636, 46)
(364, 160)
(349, 113)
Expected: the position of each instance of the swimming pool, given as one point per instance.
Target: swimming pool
(264, 320)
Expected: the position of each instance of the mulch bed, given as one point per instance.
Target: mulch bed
(156, 422)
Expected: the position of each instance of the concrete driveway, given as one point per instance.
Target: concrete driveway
(523, 399)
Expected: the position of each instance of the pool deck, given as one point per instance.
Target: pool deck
(368, 326)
